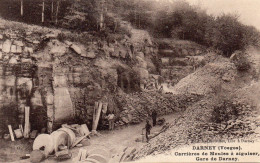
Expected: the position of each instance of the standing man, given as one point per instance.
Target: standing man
(148, 128)
(154, 117)
(111, 119)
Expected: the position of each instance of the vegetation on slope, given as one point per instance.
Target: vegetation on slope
(176, 19)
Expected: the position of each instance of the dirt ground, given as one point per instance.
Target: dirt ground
(114, 141)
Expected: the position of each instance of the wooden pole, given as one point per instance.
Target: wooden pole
(27, 122)
(52, 9)
(11, 132)
(97, 117)
(21, 7)
(43, 3)
(139, 16)
(102, 15)
(135, 17)
(57, 11)
(94, 115)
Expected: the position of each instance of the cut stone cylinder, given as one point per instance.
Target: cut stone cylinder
(46, 141)
(100, 158)
(72, 136)
(59, 138)
(100, 151)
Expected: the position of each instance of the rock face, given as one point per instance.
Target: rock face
(179, 58)
(61, 80)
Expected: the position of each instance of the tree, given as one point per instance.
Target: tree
(52, 9)
(43, 5)
(101, 21)
(229, 34)
(57, 11)
(21, 7)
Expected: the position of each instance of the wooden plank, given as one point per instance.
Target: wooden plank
(26, 133)
(11, 132)
(98, 115)
(97, 111)
(21, 127)
(78, 140)
(94, 115)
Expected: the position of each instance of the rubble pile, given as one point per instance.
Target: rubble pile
(238, 123)
(197, 124)
(136, 107)
(222, 73)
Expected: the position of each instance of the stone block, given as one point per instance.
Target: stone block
(6, 57)
(33, 134)
(115, 53)
(111, 49)
(51, 35)
(125, 120)
(26, 60)
(18, 43)
(165, 60)
(58, 50)
(185, 52)
(36, 42)
(13, 60)
(18, 49)
(68, 43)
(18, 133)
(76, 48)
(90, 54)
(7, 46)
(140, 54)
(141, 63)
(144, 74)
(30, 50)
(13, 49)
(28, 33)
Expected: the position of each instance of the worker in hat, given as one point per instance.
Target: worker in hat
(147, 128)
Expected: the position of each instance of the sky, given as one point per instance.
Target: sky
(248, 10)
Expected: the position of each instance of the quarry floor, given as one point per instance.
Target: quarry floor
(115, 141)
